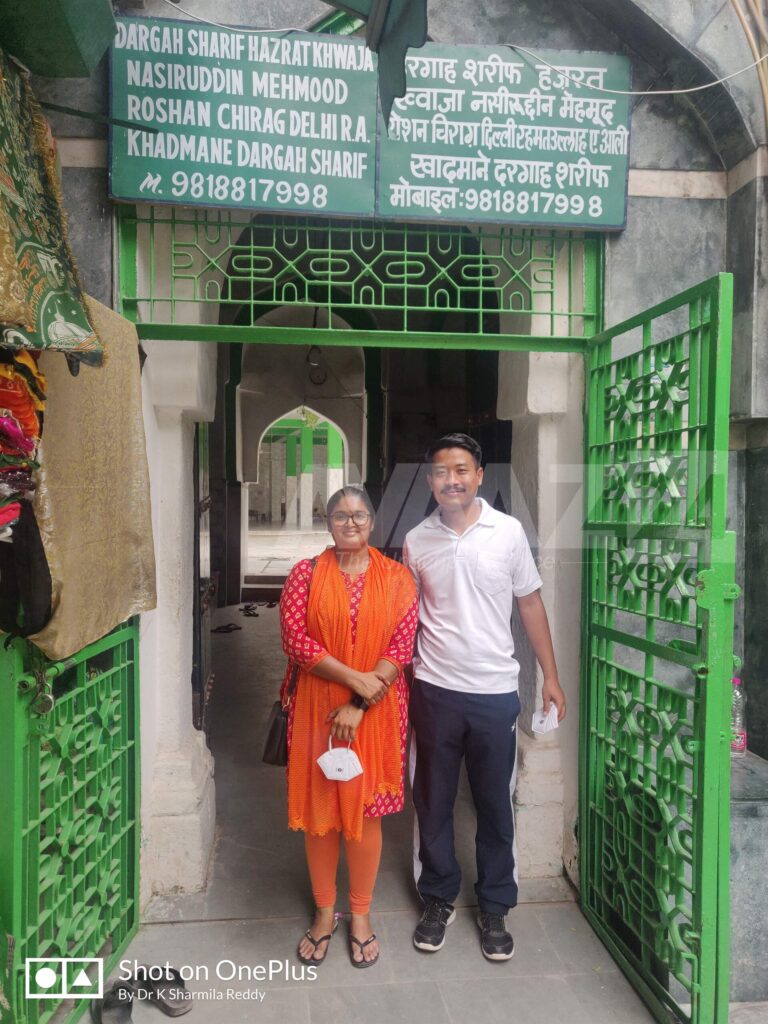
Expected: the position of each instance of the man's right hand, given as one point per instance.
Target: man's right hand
(370, 687)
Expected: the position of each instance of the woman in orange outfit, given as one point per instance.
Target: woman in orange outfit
(348, 620)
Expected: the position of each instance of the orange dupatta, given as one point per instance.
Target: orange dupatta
(316, 804)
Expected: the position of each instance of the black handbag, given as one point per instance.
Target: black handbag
(25, 579)
(276, 738)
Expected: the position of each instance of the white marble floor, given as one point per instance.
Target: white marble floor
(272, 551)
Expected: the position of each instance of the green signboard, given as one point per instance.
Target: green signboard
(490, 134)
(291, 123)
(284, 122)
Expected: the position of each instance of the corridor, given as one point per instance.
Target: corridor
(258, 903)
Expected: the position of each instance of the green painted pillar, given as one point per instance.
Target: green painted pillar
(335, 467)
(276, 476)
(291, 481)
(335, 449)
(306, 487)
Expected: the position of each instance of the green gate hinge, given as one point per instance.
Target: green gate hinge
(37, 689)
(714, 586)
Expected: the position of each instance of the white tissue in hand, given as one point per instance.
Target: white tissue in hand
(542, 723)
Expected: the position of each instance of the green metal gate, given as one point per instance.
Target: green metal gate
(658, 616)
(69, 813)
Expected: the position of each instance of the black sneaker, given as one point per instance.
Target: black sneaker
(430, 931)
(495, 940)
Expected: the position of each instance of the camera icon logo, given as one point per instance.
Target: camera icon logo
(50, 977)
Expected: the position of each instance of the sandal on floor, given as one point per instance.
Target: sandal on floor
(362, 945)
(316, 942)
(230, 627)
(158, 990)
(115, 1007)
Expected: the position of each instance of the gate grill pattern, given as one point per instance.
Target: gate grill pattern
(183, 266)
(655, 711)
(74, 872)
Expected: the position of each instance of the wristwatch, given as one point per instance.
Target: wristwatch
(359, 702)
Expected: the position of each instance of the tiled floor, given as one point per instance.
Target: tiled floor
(559, 968)
(258, 902)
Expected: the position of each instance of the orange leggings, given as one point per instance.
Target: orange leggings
(362, 861)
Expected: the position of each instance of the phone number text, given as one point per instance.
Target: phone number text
(221, 188)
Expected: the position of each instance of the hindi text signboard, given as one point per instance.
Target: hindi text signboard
(487, 134)
(291, 123)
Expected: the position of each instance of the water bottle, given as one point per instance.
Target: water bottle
(738, 719)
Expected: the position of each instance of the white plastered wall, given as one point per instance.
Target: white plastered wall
(177, 790)
(542, 394)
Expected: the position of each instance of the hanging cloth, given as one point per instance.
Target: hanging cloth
(92, 500)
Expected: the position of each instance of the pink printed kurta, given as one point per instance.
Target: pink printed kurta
(304, 650)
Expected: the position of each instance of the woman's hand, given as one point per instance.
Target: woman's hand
(370, 686)
(345, 722)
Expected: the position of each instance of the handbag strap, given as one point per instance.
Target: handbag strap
(295, 670)
(331, 746)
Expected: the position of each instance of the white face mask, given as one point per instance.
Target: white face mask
(340, 763)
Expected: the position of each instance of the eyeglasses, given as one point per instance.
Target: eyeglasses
(342, 518)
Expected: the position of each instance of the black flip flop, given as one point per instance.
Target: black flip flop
(316, 942)
(116, 1006)
(361, 963)
(158, 991)
(230, 627)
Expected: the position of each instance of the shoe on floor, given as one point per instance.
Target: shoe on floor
(430, 931)
(115, 1007)
(495, 941)
(163, 986)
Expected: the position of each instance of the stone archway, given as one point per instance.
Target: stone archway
(278, 378)
(301, 459)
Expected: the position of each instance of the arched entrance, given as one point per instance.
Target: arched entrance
(477, 329)
(299, 460)
(300, 463)
(534, 298)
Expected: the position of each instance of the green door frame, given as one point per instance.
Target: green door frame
(710, 989)
(267, 335)
(709, 995)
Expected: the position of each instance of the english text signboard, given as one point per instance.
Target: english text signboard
(259, 121)
(290, 123)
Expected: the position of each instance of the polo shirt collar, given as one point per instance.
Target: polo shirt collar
(434, 520)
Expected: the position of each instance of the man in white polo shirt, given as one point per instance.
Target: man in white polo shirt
(470, 562)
